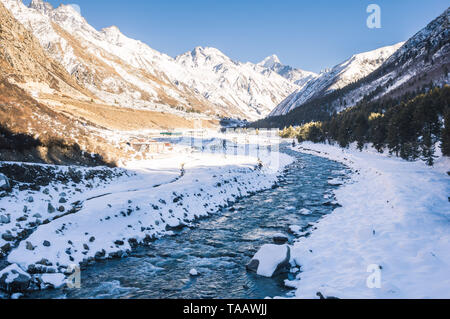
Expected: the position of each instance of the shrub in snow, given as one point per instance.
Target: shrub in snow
(270, 260)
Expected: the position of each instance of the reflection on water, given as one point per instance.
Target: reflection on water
(219, 247)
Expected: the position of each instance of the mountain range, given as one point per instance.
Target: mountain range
(343, 74)
(387, 72)
(128, 73)
(92, 82)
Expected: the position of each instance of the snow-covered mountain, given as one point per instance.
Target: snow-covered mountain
(299, 77)
(127, 72)
(33, 131)
(343, 74)
(390, 71)
(118, 70)
(254, 89)
(24, 63)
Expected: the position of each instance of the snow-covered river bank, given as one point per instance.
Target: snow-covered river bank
(79, 218)
(391, 238)
(219, 246)
(383, 233)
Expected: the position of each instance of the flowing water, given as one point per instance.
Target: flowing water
(218, 247)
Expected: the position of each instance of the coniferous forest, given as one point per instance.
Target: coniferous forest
(409, 127)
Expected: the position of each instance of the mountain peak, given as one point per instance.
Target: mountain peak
(112, 30)
(72, 10)
(207, 51)
(270, 61)
(41, 6)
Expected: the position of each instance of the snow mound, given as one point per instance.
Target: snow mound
(270, 260)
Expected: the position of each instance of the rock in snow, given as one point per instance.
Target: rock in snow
(270, 260)
(14, 279)
(280, 239)
(4, 183)
(305, 211)
(193, 272)
(53, 280)
(5, 219)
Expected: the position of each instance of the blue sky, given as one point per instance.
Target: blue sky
(308, 34)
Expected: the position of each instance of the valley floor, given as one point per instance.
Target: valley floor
(392, 232)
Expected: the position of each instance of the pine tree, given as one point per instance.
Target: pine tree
(428, 150)
(445, 145)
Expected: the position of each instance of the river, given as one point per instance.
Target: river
(218, 247)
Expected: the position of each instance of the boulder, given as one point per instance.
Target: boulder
(5, 248)
(14, 279)
(270, 260)
(29, 246)
(51, 209)
(8, 237)
(193, 272)
(55, 281)
(280, 239)
(4, 219)
(305, 211)
(5, 184)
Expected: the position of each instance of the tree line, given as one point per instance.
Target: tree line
(410, 126)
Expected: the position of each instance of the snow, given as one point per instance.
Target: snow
(305, 211)
(226, 87)
(152, 199)
(341, 75)
(295, 229)
(269, 257)
(55, 280)
(254, 89)
(193, 272)
(17, 295)
(395, 214)
(297, 76)
(12, 272)
(335, 182)
(270, 61)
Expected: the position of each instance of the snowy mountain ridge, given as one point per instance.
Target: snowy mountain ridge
(254, 89)
(405, 67)
(127, 72)
(297, 76)
(355, 68)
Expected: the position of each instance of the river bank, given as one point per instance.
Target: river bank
(218, 247)
(50, 229)
(390, 238)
